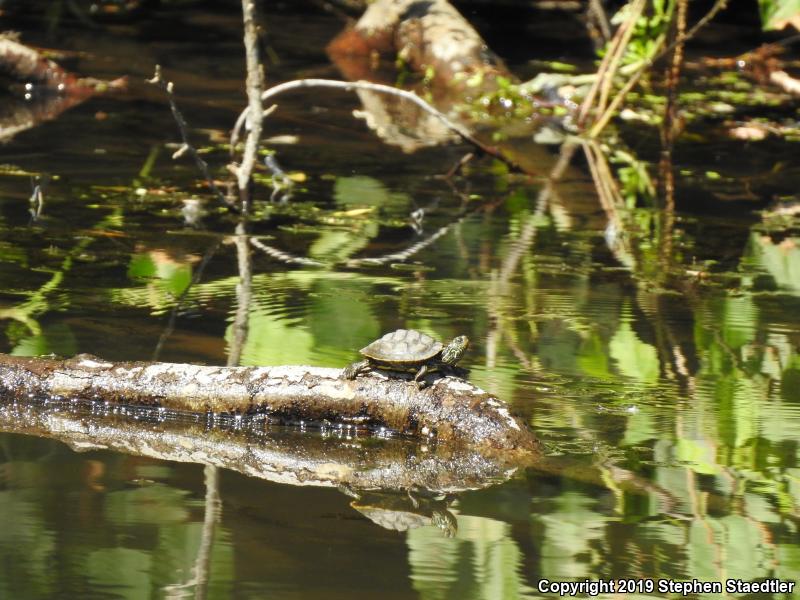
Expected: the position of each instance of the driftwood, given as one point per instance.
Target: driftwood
(25, 65)
(44, 89)
(430, 35)
(451, 410)
(433, 40)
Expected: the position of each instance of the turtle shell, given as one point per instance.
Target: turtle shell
(403, 346)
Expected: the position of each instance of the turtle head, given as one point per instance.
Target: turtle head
(453, 352)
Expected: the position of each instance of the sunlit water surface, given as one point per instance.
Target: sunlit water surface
(674, 408)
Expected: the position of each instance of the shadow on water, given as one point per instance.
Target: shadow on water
(665, 391)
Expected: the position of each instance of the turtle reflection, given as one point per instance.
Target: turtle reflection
(404, 510)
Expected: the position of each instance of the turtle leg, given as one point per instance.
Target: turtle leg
(354, 370)
(419, 377)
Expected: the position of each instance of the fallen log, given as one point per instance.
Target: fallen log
(455, 70)
(450, 411)
(425, 35)
(27, 66)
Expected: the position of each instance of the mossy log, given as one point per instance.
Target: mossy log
(430, 35)
(450, 410)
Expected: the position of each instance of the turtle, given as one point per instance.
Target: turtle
(410, 351)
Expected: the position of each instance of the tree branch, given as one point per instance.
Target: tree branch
(255, 113)
(371, 87)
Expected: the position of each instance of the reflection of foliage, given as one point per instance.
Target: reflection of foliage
(776, 14)
(151, 539)
(481, 561)
(634, 178)
(45, 298)
(173, 277)
(56, 339)
(781, 260)
(635, 358)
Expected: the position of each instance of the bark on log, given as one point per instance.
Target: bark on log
(25, 65)
(427, 35)
(450, 410)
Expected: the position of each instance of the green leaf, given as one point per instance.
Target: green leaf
(635, 358)
(776, 14)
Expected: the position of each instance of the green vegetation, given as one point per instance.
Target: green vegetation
(649, 337)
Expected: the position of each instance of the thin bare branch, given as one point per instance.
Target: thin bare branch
(255, 80)
(187, 146)
(371, 87)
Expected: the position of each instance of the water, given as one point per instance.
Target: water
(666, 392)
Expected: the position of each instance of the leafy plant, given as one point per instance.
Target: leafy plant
(776, 14)
(649, 32)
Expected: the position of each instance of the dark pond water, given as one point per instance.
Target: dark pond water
(658, 361)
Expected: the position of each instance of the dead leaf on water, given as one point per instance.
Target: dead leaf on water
(354, 212)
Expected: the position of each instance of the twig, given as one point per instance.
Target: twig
(604, 72)
(668, 128)
(604, 181)
(718, 6)
(255, 78)
(186, 146)
(625, 32)
(596, 9)
(370, 87)
(603, 120)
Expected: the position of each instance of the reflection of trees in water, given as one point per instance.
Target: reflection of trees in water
(481, 561)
